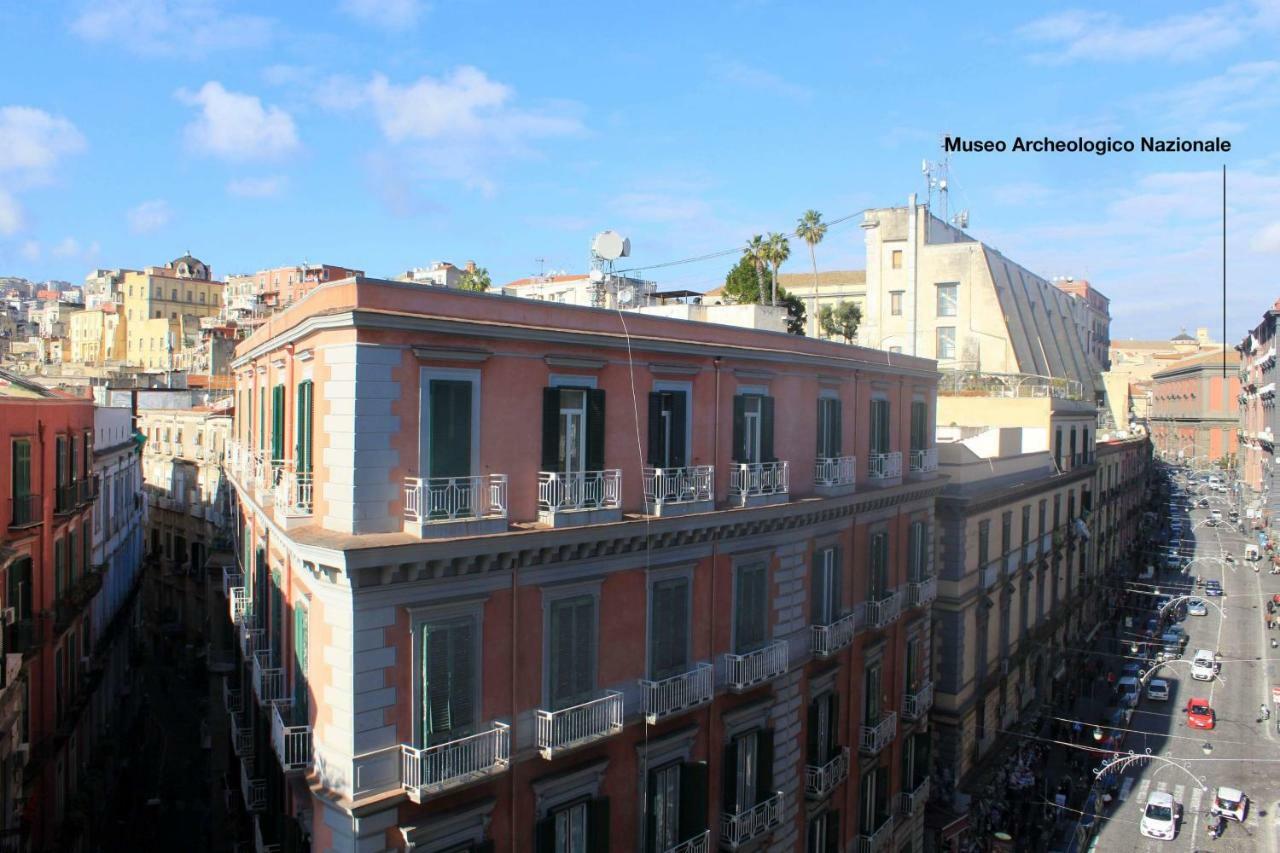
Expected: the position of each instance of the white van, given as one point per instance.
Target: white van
(1203, 665)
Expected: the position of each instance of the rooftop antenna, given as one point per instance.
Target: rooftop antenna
(607, 247)
(937, 176)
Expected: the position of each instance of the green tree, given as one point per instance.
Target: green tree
(841, 320)
(795, 311)
(741, 285)
(811, 229)
(777, 250)
(758, 251)
(476, 279)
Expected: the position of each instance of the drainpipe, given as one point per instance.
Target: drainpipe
(715, 430)
(515, 706)
(912, 239)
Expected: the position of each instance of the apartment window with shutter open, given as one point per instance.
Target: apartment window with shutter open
(871, 696)
(664, 807)
(572, 623)
(752, 428)
(824, 586)
(895, 259)
(880, 437)
(873, 800)
(449, 682)
(829, 427)
(919, 425)
(750, 609)
(822, 732)
(913, 679)
(669, 628)
(301, 693)
(748, 770)
(878, 567)
(277, 423)
(668, 442)
(917, 556)
(824, 833)
(572, 429)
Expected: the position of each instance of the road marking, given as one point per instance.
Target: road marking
(1143, 789)
(1125, 787)
(1196, 796)
(1179, 791)
(1162, 787)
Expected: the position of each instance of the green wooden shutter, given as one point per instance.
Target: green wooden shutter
(837, 428)
(679, 449)
(598, 828)
(766, 430)
(551, 460)
(449, 681)
(277, 422)
(657, 446)
(693, 798)
(669, 628)
(262, 421)
(21, 468)
(572, 651)
(595, 429)
(739, 428)
(450, 436)
(300, 691)
(764, 766)
(303, 419)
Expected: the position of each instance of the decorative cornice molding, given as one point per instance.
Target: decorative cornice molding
(468, 354)
(574, 362)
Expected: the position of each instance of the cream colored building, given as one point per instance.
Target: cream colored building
(163, 307)
(98, 336)
(833, 287)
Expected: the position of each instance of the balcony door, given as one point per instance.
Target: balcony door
(824, 587)
(828, 427)
(572, 431)
(919, 425)
(668, 439)
(822, 743)
(880, 439)
(449, 428)
(871, 699)
(669, 628)
(748, 770)
(448, 680)
(878, 570)
(752, 429)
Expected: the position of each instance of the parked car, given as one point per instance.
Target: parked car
(1216, 516)
(1160, 816)
(1158, 690)
(1200, 714)
(1196, 607)
(1204, 502)
(1130, 690)
(1231, 803)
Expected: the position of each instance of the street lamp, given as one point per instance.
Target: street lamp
(1097, 733)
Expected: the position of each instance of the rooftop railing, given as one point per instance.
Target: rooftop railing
(974, 383)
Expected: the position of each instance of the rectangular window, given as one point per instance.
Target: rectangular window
(24, 511)
(878, 568)
(262, 421)
(449, 428)
(448, 680)
(664, 804)
(947, 301)
(668, 444)
(752, 428)
(823, 744)
(301, 696)
(750, 609)
(1042, 512)
(917, 553)
(895, 303)
(1006, 531)
(913, 664)
(304, 420)
(919, 425)
(59, 568)
(748, 770)
(824, 586)
(1026, 524)
(571, 829)
(824, 833)
(572, 429)
(669, 628)
(880, 439)
(946, 343)
(573, 651)
(984, 542)
(829, 427)
(871, 695)
(277, 424)
(895, 259)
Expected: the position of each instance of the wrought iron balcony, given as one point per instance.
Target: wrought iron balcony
(923, 461)
(664, 487)
(241, 736)
(429, 771)
(268, 679)
(24, 511)
(700, 843)
(430, 500)
(913, 801)
(821, 780)
(251, 639)
(749, 480)
(922, 592)
(579, 490)
(677, 694)
(916, 705)
(884, 466)
(874, 737)
(877, 841)
(742, 672)
(253, 790)
(293, 494)
(231, 578)
(835, 470)
(86, 491)
(826, 640)
(737, 829)
(232, 698)
(885, 611)
(64, 498)
(239, 603)
(292, 743)
(260, 844)
(580, 724)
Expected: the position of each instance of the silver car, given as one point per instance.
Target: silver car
(1196, 607)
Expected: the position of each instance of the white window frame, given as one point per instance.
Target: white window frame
(955, 302)
(673, 386)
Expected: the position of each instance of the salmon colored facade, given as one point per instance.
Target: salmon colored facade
(524, 576)
(47, 582)
(1194, 408)
(1258, 426)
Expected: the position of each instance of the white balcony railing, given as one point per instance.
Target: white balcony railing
(253, 790)
(238, 604)
(580, 724)
(251, 640)
(835, 470)
(884, 466)
(875, 737)
(989, 574)
(241, 737)
(826, 640)
(442, 499)
(231, 577)
(758, 479)
(822, 780)
(559, 492)
(911, 802)
(293, 494)
(678, 693)
(458, 762)
(738, 829)
(268, 680)
(764, 664)
(232, 697)
(922, 592)
(916, 705)
(885, 611)
(292, 743)
(700, 843)
(924, 461)
(679, 485)
(876, 842)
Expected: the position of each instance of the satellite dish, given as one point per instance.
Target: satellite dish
(610, 245)
(626, 294)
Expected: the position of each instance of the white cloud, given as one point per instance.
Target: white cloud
(267, 187)
(32, 144)
(69, 247)
(1267, 239)
(236, 126)
(171, 28)
(10, 214)
(1077, 34)
(1244, 89)
(150, 216)
(387, 14)
(741, 74)
(30, 250)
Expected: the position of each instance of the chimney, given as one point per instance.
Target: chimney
(471, 266)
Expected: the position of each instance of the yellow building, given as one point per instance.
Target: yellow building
(98, 336)
(163, 307)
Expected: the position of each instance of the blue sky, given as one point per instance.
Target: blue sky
(384, 134)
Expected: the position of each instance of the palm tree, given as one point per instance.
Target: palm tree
(777, 251)
(757, 250)
(812, 229)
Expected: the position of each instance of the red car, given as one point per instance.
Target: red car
(1199, 714)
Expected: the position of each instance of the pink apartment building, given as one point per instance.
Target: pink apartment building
(1194, 408)
(525, 576)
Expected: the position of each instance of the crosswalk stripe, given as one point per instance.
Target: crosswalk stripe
(1125, 787)
(1163, 787)
(1178, 792)
(1143, 789)
(1196, 794)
